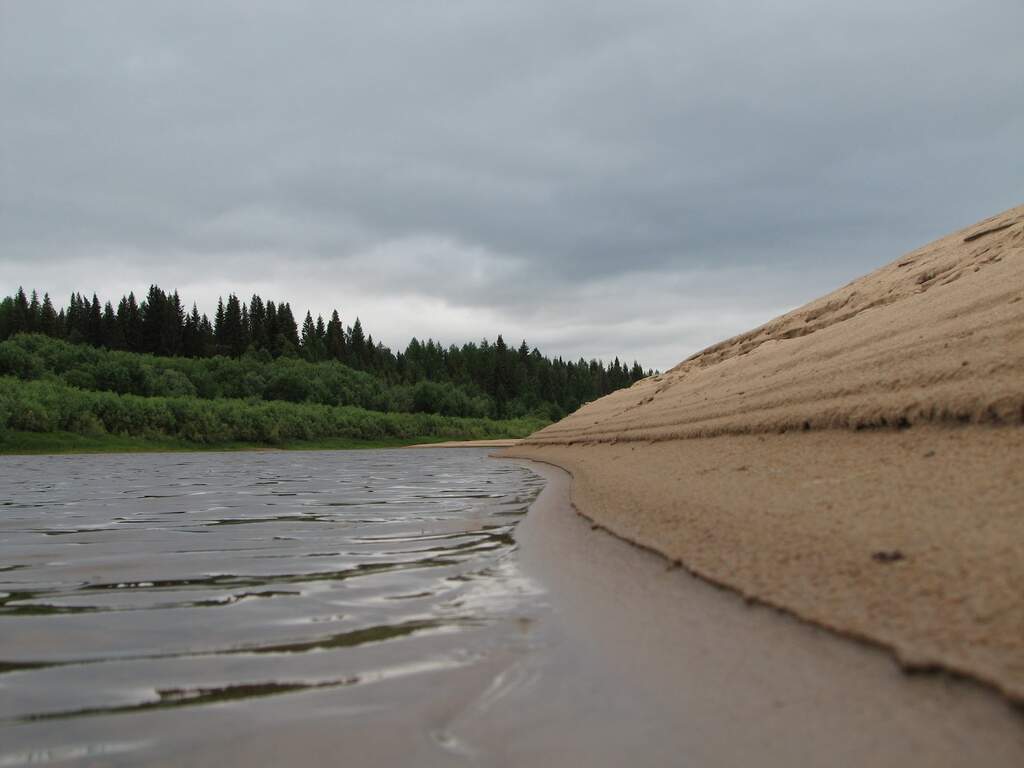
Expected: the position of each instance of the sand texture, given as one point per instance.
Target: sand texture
(858, 461)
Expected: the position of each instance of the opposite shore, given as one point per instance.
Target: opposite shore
(63, 443)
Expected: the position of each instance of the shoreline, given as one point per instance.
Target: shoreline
(897, 585)
(71, 444)
(713, 678)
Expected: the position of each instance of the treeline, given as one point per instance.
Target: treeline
(507, 381)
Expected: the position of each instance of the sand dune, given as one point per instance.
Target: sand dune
(858, 461)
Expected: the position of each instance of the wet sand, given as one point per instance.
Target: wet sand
(655, 667)
(858, 462)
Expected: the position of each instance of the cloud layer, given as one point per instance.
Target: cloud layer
(601, 178)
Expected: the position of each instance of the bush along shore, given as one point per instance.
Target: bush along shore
(49, 416)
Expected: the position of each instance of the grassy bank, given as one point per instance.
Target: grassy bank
(48, 417)
(42, 443)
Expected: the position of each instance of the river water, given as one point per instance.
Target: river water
(152, 606)
(379, 608)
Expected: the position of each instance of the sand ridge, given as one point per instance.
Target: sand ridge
(858, 461)
(935, 337)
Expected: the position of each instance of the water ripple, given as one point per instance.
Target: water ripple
(318, 573)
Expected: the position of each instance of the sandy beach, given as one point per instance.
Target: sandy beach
(858, 462)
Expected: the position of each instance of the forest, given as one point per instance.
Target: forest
(476, 379)
(152, 358)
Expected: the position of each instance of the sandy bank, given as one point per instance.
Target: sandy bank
(858, 461)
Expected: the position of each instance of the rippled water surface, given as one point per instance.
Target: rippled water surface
(149, 603)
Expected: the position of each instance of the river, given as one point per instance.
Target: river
(379, 608)
(151, 602)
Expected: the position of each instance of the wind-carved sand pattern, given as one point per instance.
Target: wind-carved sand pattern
(858, 461)
(156, 603)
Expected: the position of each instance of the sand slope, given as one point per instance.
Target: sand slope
(858, 461)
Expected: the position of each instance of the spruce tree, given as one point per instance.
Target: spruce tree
(232, 337)
(270, 328)
(335, 338)
(95, 335)
(19, 317)
(246, 328)
(502, 377)
(173, 324)
(357, 345)
(191, 340)
(286, 324)
(47, 317)
(152, 321)
(207, 340)
(33, 318)
(257, 322)
(309, 339)
(134, 335)
(6, 315)
(219, 329)
(113, 338)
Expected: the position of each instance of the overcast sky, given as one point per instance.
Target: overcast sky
(633, 178)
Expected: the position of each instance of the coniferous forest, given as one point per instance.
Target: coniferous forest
(254, 374)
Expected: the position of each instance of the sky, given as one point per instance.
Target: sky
(638, 178)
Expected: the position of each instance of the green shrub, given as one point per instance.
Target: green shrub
(52, 405)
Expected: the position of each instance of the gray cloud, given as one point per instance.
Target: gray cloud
(603, 178)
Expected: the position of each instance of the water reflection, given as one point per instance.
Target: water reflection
(133, 584)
